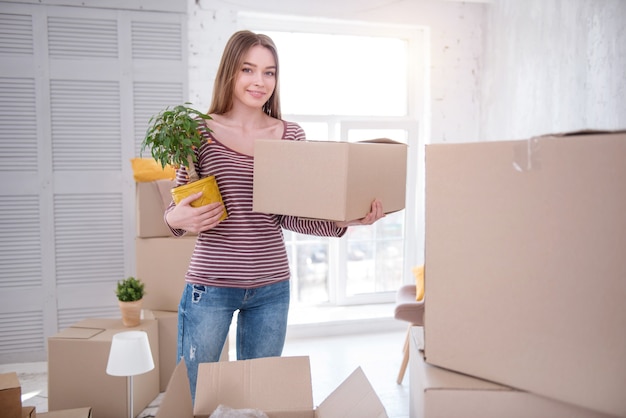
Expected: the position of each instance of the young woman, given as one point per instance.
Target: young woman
(240, 264)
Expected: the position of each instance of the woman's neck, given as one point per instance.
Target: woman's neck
(246, 118)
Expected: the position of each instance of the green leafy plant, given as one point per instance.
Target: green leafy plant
(129, 289)
(173, 135)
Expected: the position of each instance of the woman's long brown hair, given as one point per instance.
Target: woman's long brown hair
(234, 52)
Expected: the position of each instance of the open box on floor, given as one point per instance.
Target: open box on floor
(279, 386)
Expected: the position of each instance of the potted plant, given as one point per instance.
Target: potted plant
(172, 138)
(130, 292)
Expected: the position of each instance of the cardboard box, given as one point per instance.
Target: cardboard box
(525, 265)
(67, 413)
(161, 263)
(328, 180)
(152, 198)
(28, 412)
(168, 348)
(279, 386)
(10, 395)
(437, 392)
(77, 360)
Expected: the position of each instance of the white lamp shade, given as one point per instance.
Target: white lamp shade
(130, 354)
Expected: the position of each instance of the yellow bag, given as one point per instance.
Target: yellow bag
(148, 169)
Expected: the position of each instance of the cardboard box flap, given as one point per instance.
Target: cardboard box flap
(176, 402)
(79, 333)
(355, 397)
(67, 413)
(29, 412)
(268, 384)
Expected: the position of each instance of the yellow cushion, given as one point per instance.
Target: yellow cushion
(418, 272)
(148, 169)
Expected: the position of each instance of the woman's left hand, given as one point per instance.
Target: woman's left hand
(375, 214)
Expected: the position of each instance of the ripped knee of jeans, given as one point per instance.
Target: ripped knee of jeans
(192, 353)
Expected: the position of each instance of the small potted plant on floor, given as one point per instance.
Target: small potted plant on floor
(172, 137)
(130, 292)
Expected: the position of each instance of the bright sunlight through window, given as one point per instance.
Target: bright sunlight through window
(325, 74)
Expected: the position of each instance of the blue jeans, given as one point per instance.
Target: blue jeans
(206, 312)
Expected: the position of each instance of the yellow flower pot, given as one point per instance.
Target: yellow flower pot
(206, 185)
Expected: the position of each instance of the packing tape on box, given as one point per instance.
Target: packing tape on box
(526, 155)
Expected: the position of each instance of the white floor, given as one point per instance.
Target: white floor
(333, 358)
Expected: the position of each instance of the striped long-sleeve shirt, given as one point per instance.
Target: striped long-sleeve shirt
(247, 249)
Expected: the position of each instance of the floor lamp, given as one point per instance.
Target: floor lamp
(130, 356)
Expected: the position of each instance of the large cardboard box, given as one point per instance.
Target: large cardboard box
(161, 263)
(10, 395)
(279, 386)
(525, 265)
(328, 180)
(168, 340)
(152, 198)
(437, 392)
(77, 360)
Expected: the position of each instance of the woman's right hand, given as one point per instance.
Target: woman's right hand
(191, 219)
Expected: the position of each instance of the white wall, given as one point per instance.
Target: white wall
(500, 69)
(553, 66)
(456, 47)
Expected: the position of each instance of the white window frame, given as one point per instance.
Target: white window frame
(415, 123)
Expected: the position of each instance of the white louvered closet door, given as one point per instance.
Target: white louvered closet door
(77, 88)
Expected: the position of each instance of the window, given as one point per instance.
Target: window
(349, 82)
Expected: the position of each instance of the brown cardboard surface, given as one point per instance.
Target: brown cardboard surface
(280, 386)
(328, 180)
(10, 395)
(272, 384)
(525, 265)
(152, 198)
(168, 336)
(161, 263)
(27, 412)
(177, 403)
(355, 397)
(437, 392)
(67, 413)
(77, 369)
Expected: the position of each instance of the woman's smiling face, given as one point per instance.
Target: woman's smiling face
(256, 79)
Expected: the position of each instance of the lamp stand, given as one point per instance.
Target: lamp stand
(130, 397)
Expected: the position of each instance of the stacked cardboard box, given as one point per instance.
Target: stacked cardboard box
(161, 263)
(161, 258)
(525, 265)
